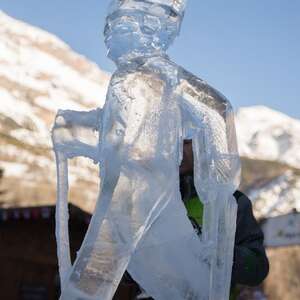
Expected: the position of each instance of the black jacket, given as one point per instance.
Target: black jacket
(250, 266)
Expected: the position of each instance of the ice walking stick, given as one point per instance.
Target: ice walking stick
(62, 217)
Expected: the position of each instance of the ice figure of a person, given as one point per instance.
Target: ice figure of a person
(140, 222)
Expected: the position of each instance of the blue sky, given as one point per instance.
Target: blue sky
(249, 50)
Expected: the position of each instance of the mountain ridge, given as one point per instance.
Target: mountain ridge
(40, 74)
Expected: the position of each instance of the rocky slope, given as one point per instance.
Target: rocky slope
(40, 74)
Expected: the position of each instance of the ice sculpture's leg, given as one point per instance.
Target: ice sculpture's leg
(129, 202)
(225, 245)
(215, 171)
(219, 227)
(171, 262)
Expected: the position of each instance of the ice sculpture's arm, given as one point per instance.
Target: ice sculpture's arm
(81, 118)
(65, 136)
(216, 159)
(209, 117)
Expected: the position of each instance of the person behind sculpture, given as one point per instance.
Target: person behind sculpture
(250, 265)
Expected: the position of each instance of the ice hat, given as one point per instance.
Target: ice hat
(177, 5)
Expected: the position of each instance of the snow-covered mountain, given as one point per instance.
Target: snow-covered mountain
(269, 143)
(267, 134)
(40, 74)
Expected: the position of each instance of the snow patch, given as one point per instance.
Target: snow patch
(13, 169)
(267, 134)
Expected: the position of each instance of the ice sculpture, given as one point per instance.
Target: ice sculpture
(140, 222)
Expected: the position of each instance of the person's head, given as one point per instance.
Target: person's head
(187, 163)
(137, 28)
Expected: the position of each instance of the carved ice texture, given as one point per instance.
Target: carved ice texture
(140, 222)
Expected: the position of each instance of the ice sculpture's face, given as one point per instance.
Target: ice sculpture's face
(137, 28)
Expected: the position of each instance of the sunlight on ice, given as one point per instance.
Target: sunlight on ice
(140, 222)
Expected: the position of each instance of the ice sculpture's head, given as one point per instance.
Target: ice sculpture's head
(136, 28)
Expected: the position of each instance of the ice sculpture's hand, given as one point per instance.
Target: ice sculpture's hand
(67, 133)
(90, 119)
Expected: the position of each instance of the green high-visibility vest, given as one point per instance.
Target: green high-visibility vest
(194, 209)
